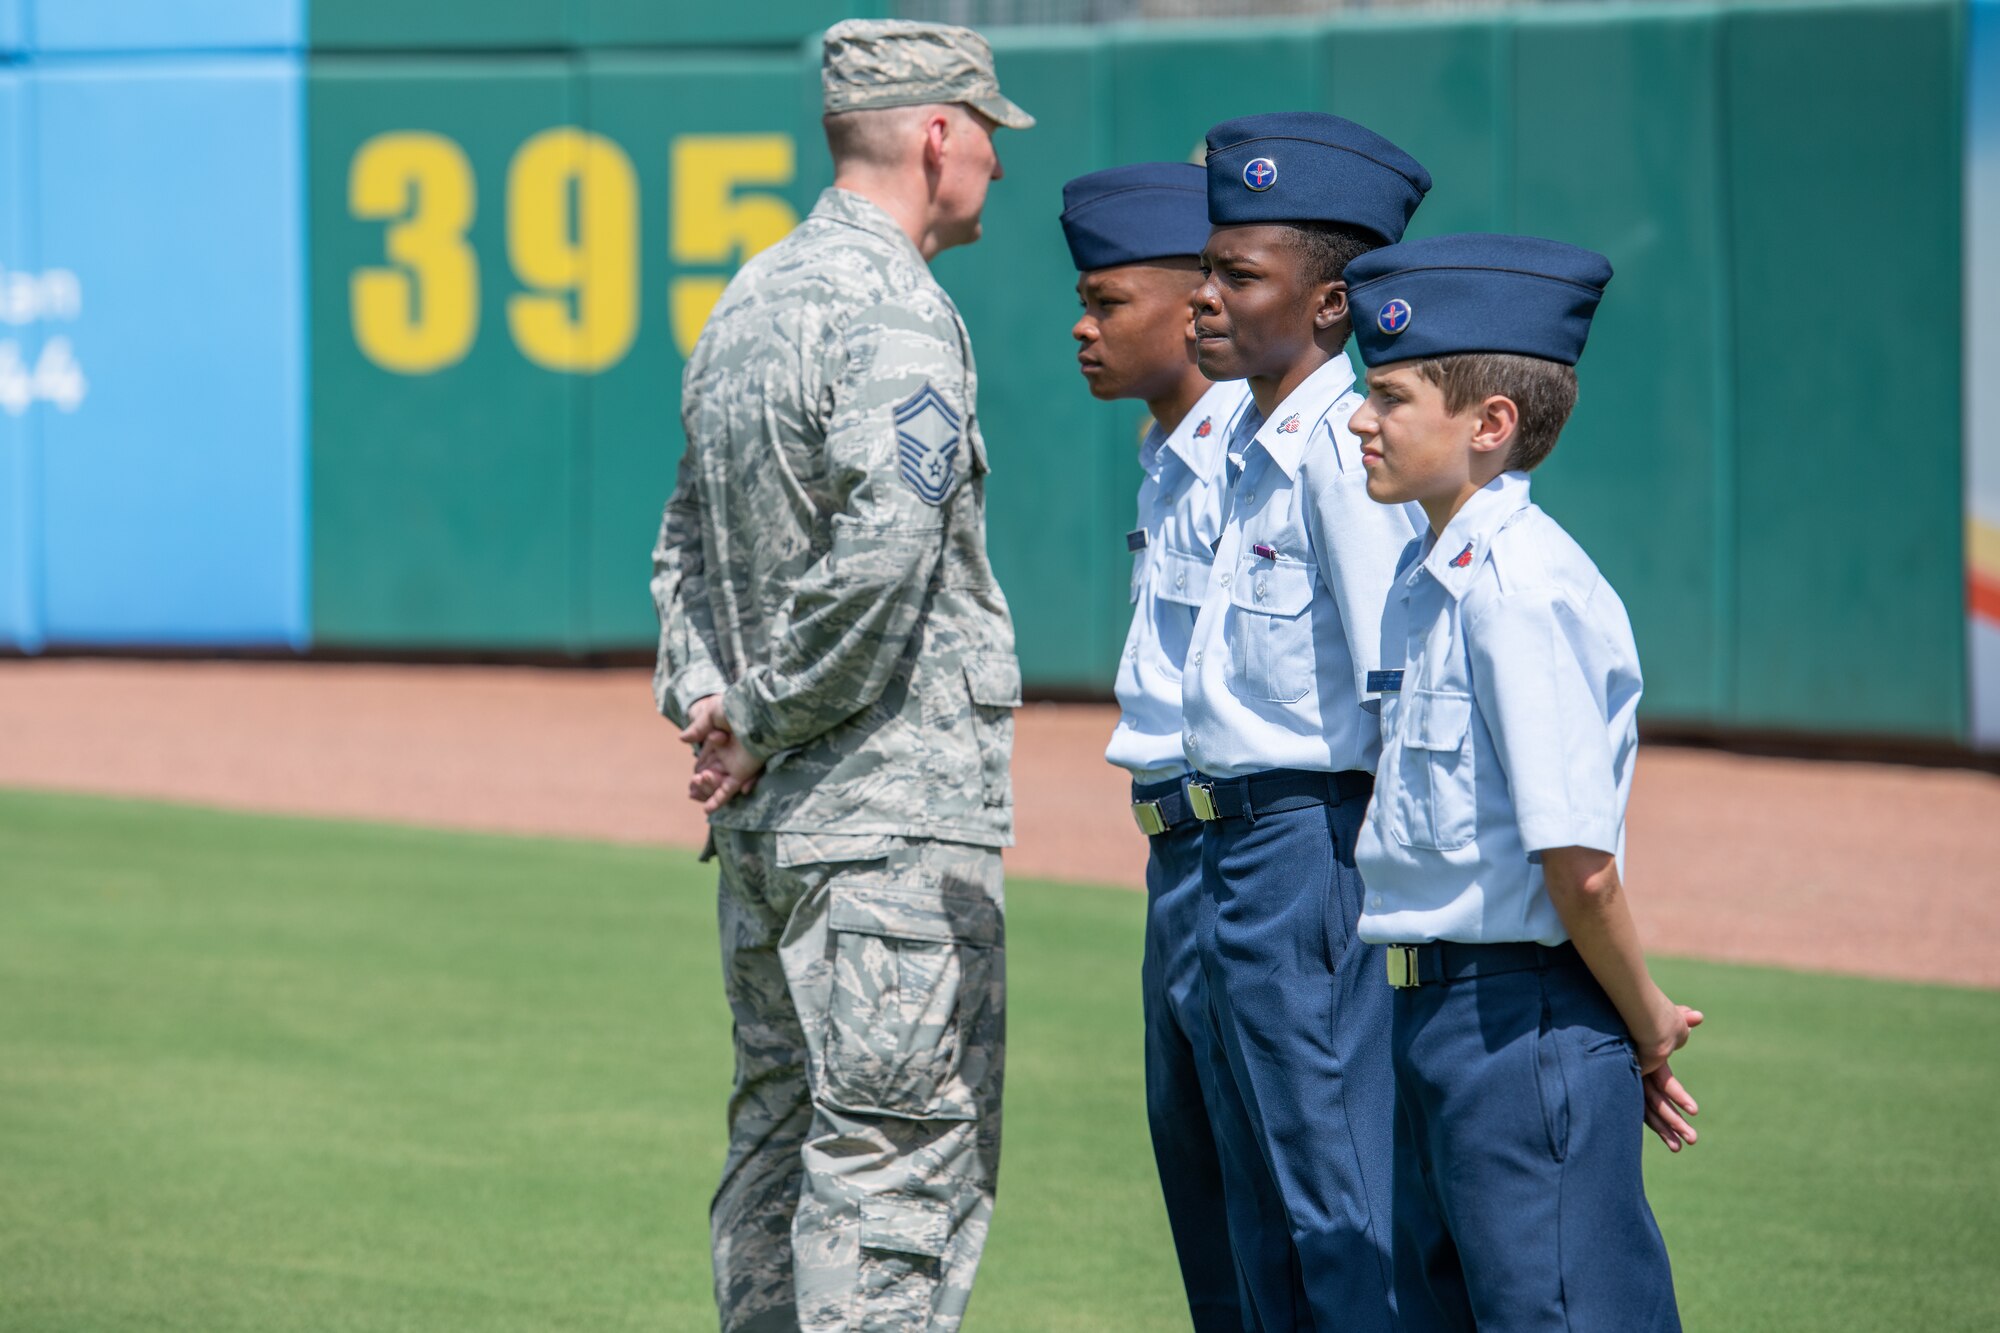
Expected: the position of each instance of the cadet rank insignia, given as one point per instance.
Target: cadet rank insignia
(1290, 425)
(927, 444)
(1463, 558)
(1205, 429)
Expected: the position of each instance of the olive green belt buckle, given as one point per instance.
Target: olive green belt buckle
(1146, 814)
(1201, 800)
(1403, 966)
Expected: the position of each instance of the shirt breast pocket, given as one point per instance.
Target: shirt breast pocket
(1183, 578)
(1272, 648)
(1436, 806)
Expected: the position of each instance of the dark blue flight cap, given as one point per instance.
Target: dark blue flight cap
(1475, 293)
(1128, 215)
(1306, 166)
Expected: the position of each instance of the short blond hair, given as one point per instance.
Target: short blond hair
(875, 137)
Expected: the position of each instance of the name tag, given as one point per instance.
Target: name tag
(1385, 682)
(1135, 540)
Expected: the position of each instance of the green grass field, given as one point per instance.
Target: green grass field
(267, 1074)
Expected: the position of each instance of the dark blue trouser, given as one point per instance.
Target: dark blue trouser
(1180, 1042)
(1519, 1203)
(1303, 1013)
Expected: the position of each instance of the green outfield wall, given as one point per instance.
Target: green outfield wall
(512, 249)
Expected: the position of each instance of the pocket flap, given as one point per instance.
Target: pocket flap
(906, 1226)
(1281, 587)
(994, 679)
(915, 912)
(1435, 719)
(1183, 578)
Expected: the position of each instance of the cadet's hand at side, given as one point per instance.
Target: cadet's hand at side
(1668, 1103)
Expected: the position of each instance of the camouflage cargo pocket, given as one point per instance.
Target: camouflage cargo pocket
(903, 1246)
(993, 680)
(913, 998)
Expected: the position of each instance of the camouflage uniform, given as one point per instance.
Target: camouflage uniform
(822, 566)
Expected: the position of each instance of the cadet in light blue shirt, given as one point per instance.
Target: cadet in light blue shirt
(1274, 680)
(1274, 722)
(1135, 232)
(1529, 1041)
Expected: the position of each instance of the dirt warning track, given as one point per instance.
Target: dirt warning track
(1873, 869)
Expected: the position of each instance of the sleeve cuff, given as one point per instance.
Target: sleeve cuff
(693, 684)
(1541, 833)
(739, 711)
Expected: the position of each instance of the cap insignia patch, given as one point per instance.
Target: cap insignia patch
(1395, 317)
(1260, 174)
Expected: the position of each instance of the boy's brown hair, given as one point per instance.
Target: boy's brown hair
(1543, 391)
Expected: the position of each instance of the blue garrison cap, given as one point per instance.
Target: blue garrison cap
(1475, 293)
(1128, 215)
(1306, 166)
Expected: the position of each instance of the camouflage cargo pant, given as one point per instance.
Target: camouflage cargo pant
(866, 979)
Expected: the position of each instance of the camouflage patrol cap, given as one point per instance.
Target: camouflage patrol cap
(873, 63)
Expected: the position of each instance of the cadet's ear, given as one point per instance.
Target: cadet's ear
(1332, 304)
(1499, 419)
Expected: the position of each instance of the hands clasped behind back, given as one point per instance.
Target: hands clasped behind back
(723, 768)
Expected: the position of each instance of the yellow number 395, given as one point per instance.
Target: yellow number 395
(419, 315)
(572, 240)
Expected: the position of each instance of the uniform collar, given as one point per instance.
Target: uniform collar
(1456, 556)
(1204, 432)
(859, 211)
(1286, 431)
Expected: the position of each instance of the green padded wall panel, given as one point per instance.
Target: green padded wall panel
(1441, 91)
(1617, 147)
(1844, 170)
(422, 25)
(599, 23)
(442, 484)
(1763, 179)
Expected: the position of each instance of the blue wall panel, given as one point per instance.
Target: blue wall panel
(20, 621)
(173, 501)
(13, 26)
(91, 26)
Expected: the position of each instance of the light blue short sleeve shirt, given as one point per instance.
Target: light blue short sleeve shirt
(1291, 624)
(1512, 729)
(1180, 516)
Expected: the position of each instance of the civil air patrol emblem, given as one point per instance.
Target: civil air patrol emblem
(1394, 317)
(1290, 425)
(927, 432)
(1260, 174)
(1205, 429)
(1463, 558)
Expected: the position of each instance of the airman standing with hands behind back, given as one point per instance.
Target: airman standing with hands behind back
(832, 638)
